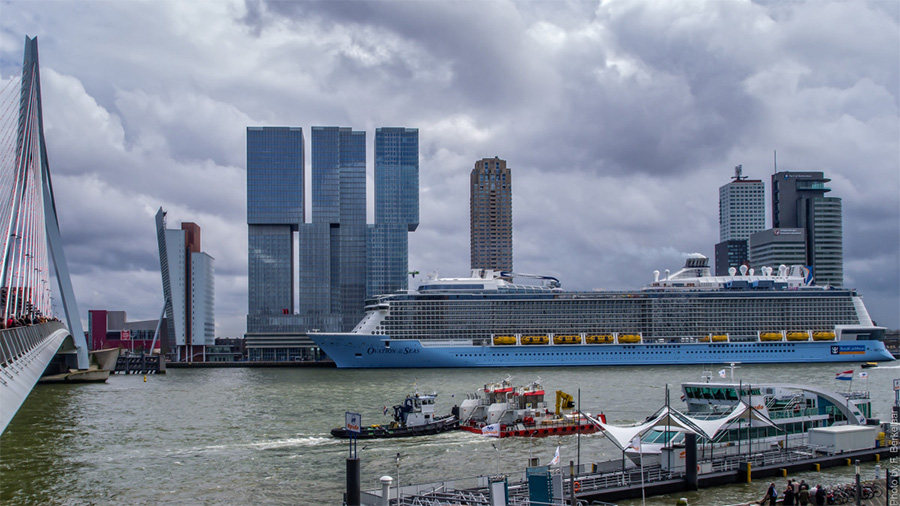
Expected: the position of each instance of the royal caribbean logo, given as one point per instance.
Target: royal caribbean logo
(852, 349)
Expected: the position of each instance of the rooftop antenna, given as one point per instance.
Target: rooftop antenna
(775, 159)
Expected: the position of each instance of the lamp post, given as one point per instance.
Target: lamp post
(858, 489)
(498, 458)
(398, 479)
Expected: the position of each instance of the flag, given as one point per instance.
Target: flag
(555, 460)
(636, 444)
(844, 376)
(385, 410)
(492, 430)
(864, 375)
(721, 373)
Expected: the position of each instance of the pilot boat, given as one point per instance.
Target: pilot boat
(413, 417)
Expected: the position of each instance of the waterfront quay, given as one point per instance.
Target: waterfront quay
(607, 482)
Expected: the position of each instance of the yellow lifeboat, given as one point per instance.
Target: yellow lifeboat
(535, 339)
(770, 336)
(823, 336)
(504, 340)
(797, 336)
(629, 338)
(567, 339)
(704, 339)
(720, 338)
(600, 339)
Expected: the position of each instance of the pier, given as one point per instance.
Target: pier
(607, 482)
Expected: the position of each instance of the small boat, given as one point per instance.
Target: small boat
(567, 339)
(541, 339)
(823, 336)
(504, 340)
(720, 338)
(770, 336)
(415, 417)
(867, 365)
(501, 410)
(600, 339)
(797, 336)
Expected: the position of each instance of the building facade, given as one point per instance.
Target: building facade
(275, 210)
(333, 245)
(188, 278)
(777, 246)
(742, 212)
(396, 209)
(490, 215)
(340, 259)
(799, 201)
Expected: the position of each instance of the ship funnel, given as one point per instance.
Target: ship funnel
(732, 271)
(667, 273)
(656, 275)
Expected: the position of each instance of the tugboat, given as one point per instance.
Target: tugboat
(415, 417)
(501, 410)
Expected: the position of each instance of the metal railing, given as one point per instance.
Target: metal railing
(18, 341)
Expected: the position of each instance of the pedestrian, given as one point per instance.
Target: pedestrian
(803, 498)
(789, 495)
(796, 485)
(771, 495)
(820, 495)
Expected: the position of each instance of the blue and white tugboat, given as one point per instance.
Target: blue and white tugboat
(414, 417)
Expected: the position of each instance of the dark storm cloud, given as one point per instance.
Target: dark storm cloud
(619, 119)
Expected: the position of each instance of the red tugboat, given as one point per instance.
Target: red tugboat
(501, 410)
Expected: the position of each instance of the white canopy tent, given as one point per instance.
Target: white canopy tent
(709, 429)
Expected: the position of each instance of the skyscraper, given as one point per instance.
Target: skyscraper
(742, 212)
(333, 245)
(490, 215)
(188, 278)
(799, 201)
(275, 192)
(396, 209)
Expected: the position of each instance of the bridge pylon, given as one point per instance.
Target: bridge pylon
(28, 219)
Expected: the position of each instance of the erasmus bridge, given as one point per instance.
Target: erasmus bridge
(31, 335)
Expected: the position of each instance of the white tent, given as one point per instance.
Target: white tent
(622, 436)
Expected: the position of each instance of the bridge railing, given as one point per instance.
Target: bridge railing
(17, 341)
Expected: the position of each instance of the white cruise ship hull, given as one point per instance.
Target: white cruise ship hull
(354, 350)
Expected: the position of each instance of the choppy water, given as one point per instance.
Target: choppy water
(261, 436)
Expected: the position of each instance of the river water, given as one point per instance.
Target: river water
(261, 436)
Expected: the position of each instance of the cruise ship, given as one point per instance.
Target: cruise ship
(689, 317)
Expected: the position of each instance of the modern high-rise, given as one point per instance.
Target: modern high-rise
(396, 209)
(742, 212)
(799, 201)
(490, 215)
(188, 278)
(333, 244)
(275, 192)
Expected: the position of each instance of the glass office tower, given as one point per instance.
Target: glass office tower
(275, 193)
(333, 245)
(396, 209)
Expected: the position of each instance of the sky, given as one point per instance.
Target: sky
(619, 120)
